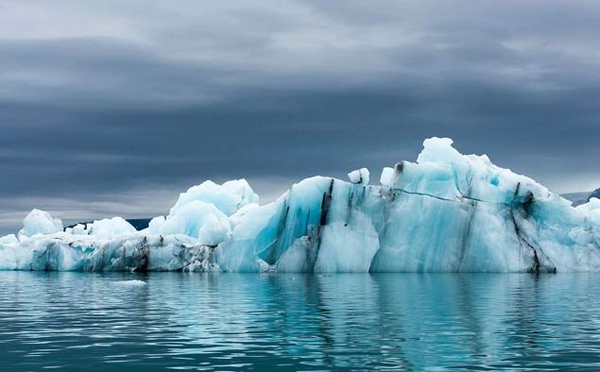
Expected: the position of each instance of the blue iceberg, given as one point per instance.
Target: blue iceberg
(446, 212)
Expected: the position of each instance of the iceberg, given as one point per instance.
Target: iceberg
(445, 212)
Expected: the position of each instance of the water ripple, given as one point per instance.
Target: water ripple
(218, 322)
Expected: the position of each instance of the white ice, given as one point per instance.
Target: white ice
(39, 222)
(359, 176)
(228, 197)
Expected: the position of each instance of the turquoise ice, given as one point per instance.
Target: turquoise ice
(446, 212)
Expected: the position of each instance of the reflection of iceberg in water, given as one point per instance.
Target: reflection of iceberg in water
(411, 322)
(399, 321)
(445, 213)
(300, 322)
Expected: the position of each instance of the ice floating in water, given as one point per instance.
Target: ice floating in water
(446, 212)
(131, 283)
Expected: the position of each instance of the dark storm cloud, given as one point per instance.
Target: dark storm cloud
(113, 110)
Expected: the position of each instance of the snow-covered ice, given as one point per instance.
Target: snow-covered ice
(446, 212)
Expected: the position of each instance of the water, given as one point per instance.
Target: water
(229, 322)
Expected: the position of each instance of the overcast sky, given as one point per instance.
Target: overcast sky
(114, 107)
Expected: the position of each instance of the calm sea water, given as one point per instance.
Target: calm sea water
(230, 322)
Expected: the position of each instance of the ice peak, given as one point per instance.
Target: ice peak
(39, 222)
(439, 150)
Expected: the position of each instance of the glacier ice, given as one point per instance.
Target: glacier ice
(446, 212)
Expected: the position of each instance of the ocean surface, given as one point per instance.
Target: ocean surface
(275, 322)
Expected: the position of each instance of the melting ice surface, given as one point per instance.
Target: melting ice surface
(446, 212)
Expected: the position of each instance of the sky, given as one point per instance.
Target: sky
(115, 107)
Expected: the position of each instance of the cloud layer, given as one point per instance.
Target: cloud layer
(112, 109)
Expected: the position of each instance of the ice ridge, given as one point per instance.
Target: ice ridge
(446, 212)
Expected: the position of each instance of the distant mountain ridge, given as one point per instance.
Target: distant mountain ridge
(137, 223)
(579, 198)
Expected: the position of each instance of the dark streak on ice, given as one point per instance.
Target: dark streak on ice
(466, 236)
(526, 206)
(399, 167)
(325, 206)
(144, 251)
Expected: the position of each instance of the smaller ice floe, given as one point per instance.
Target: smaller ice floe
(131, 283)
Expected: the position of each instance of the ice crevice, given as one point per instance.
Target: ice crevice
(461, 196)
(446, 212)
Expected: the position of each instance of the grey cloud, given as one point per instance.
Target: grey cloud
(146, 99)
